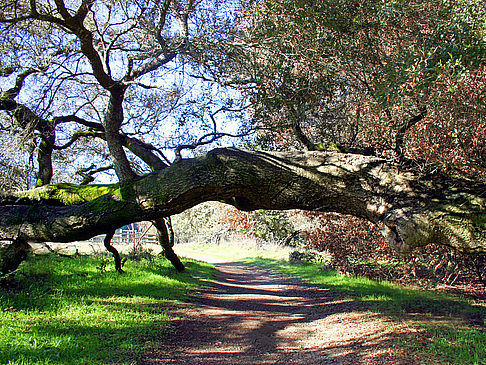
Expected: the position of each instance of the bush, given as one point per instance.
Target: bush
(307, 257)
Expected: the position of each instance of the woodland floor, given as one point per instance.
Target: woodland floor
(251, 315)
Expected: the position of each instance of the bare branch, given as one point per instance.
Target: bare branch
(88, 172)
(142, 85)
(208, 139)
(76, 136)
(6, 71)
(159, 59)
(402, 130)
(144, 152)
(61, 8)
(161, 24)
(83, 10)
(19, 82)
(76, 119)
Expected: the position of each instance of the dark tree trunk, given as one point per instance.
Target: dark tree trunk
(44, 155)
(11, 256)
(113, 251)
(165, 236)
(297, 116)
(112, 124)
(403, 129)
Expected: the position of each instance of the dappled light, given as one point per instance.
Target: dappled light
(251, 314)
(327, 156)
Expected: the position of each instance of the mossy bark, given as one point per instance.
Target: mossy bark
(58, 194)
(413, 210)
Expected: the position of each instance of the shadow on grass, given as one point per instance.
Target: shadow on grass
(70, 311)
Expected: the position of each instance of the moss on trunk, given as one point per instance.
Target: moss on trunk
(413, 210)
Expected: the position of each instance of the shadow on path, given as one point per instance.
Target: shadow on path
(251, 315)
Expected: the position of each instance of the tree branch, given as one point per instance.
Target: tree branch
(165, 236)
(161, 24)
(19, 82)
(61, 8)
(73, 118)
(413, 211)
(6, 71)
(83, 10)
(404, 128)
(88, 172)
(144, 152)
(205, 140)
(116, 256)
(159, 59)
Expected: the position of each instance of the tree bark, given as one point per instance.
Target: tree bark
(165, 236)
(296, 117)
(412, 210)
(11, 256)
(116, 256)
(403, 129)
(44, 154)
(112, 124)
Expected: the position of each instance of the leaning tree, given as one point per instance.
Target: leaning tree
(86, 83)
(96, 79)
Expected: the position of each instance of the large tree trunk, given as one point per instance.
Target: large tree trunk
(412, 210)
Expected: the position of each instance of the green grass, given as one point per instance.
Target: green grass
(458, 346)
(441, 319)
(232, 251)
(71, 311)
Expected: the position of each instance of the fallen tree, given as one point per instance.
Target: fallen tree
(413, 210)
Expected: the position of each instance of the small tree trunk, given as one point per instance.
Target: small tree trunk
(113, 251)
(403, 129)
(112, 124)
(12, 256)
(44, 157)
(165, 236)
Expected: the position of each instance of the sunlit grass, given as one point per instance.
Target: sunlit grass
(71, 311)
(459, 346)
(234, 250)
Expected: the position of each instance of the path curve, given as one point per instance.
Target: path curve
(251, 315)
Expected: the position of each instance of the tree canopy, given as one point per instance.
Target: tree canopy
(392, 78)
(93, 86)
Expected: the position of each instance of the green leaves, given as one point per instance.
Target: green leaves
(341, 69)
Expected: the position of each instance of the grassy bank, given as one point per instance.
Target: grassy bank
(79, 311)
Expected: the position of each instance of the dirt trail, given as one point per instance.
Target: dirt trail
(251, 315)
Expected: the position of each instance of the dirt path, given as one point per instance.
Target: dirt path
(251, 315)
